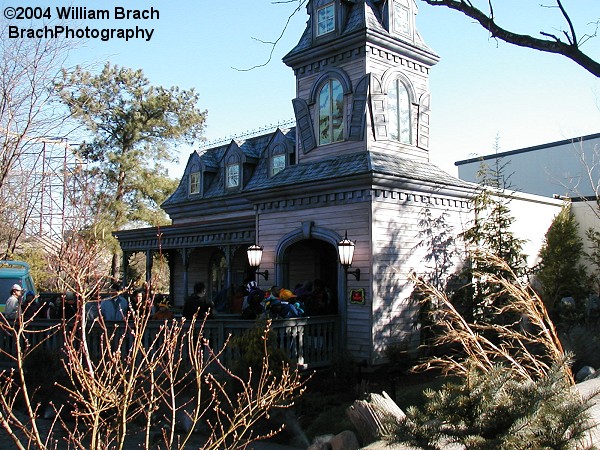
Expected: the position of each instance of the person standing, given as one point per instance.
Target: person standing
(114, 308)
(12, 310)
(198, 304)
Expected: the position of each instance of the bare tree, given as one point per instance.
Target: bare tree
(28, 68)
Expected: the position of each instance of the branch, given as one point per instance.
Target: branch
(554, 44)
(276, 41)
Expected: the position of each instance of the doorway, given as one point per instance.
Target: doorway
(310, 260)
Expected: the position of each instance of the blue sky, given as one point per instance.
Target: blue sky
(480, 89)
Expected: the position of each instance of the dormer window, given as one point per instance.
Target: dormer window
(326, 19)
(232, 172)
(331, 112)
(399, 112)
(401, 19)
(194, 182)
(278, 159)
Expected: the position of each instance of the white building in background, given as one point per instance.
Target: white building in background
(567, 168)
(564, 169)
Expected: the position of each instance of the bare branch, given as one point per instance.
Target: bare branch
(570, 49)
(274, 43)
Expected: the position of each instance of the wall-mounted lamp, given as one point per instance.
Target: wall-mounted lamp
(346, 253)
(254, 258)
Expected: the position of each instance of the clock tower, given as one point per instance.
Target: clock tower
(362, 80)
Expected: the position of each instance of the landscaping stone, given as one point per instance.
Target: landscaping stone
(346, 440)
(584, 373)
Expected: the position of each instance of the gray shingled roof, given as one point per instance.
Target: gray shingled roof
(408, 168)
(334, 168)
(353, 165)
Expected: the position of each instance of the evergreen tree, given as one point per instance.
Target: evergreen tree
(437, 238)
(493, 219)
(498, 410)
(593, 256)
(490, 234)
(132, 124)
(561, 274)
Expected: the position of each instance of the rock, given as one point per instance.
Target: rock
(584, 373)
(321, 443)
(346, 440)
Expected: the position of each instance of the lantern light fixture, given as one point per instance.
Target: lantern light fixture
(346, 254)
(254, 258)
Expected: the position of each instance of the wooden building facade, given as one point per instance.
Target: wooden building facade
(357, 163)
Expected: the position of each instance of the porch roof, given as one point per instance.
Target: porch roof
(190, 235)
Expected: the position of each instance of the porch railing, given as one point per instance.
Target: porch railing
(308, 342)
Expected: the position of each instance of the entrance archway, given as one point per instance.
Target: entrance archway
(311, 260)
(309, 253)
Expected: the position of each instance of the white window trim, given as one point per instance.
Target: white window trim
(239, 173)
(197, 191)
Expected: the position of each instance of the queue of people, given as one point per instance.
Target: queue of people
(113, 306)
(307, 299)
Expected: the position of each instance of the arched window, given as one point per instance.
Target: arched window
(399, 112)
(331, 112)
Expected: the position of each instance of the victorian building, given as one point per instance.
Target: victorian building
(356, 164)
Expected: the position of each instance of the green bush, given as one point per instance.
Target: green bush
(497, 410)
(250, 349)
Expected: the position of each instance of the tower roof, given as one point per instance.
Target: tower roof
(364, 17)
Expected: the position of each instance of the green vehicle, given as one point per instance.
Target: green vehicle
(14, 272)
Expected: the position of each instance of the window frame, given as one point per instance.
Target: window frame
(401, 10)
(228, 175)
(328, 20)
(279, 152)
(195, 178)
(396, 121)
(331, 113)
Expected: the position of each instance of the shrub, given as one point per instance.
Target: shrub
(497, 409)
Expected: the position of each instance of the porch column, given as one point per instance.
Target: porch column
(185, 253)
(125, 264)
(149, 261)
(171, 260)
(228, 261)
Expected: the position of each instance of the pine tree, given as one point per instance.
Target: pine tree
(490, 234)
(131, 124)
(561, 273)
(497, 410)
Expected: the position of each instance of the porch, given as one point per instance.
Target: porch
(308, 342)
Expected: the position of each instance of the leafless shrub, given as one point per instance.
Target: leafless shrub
(152, 382)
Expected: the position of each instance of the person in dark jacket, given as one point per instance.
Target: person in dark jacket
(198, 304)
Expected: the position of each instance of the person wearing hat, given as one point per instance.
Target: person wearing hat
(279, 306)
(13, 304)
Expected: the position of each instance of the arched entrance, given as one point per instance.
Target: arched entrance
(310, 260)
